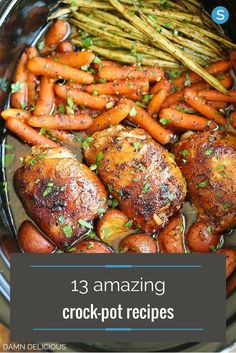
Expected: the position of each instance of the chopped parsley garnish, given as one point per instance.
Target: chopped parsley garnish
(147, 97)
(86, 142)
(67, 230)
(164, 121)
(84, 67)
(16, 87)
(85, 224)
(209, 229)
(129, 224)
(95, 92)
(187, 81)
(114, 203)
(61, 219)
(146, 188)
(209, 151)
(184, 152)
(98, 159)
(137, 145)
(133, 112)
(70, 102)
(61, 108)
(203, 184)
(48, 189)
(3, 84)
(96, 60)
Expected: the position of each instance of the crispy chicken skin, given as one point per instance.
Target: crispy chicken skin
(58, 192)
(208, 162)
(140, 174)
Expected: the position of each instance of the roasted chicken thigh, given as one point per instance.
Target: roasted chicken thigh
(60, 194)
(208, 163)
(139, 173)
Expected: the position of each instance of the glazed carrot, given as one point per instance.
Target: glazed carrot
(134, 96)
(62, 135)
(57, 32)
(105, 63)
(81, 98)
(111, 117)
(61, 121)
(28, 134)
(191, 77)
(181, 120)
(226, 80)
(47, 67)
(19, 97)
(131, 73)
(74, 59)
(173, 99)
(213, 95)
(156, 101)
(183, 107)
(159, 85)
(218, 105)
(198, 103)
(232, 119)
(46, 98)
(31, 78)
(65, 47)
(198, 86)
(15, 113)
(141, 118)
(120, 87)
(233, 60)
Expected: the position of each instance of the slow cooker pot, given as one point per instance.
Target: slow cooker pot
(21, 23)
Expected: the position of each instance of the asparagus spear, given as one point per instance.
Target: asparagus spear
(167, 45)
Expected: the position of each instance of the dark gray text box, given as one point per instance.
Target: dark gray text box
(41, 291)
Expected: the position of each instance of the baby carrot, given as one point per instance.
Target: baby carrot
(105, 63)
(213, 95)
(192, 98)
(19, 97)
(47, 67)
(232, 119)
(131, 73)
(57, 32)
(28, 134)
(156, 101)
(191, 77)
(218, 105)
(15, 113)
(45, 101)
(141, 118)
(159, 85)
(233, 60)
(61, 121)
(120, 87)
(31, 78)
(65, 47)
(112, 116)
(74, 59)
(182, 120)
(173, 99)
(226, 80)
(81, 98)
(178, 96)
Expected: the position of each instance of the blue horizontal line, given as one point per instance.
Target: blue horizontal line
(116, 266)
(117, 329)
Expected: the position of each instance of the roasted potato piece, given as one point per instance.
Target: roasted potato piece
(138, 243)
(113, 227)
(230, 259)
(31, 240)
(90, 246)
(171, 239)
(201, 237)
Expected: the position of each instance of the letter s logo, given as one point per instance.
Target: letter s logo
(220, 15)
